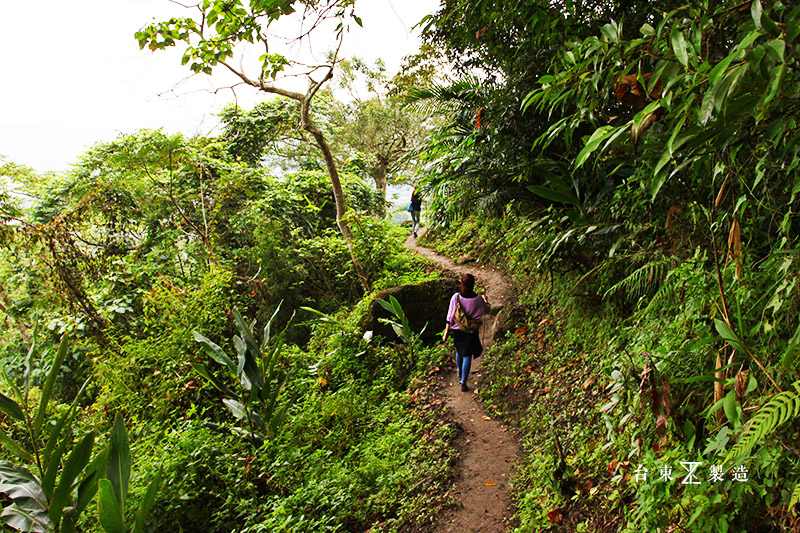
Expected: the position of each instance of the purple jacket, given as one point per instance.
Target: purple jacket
(475, 307)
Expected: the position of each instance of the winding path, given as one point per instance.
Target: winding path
(489, 450)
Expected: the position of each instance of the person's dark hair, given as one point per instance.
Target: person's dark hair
(467, 283)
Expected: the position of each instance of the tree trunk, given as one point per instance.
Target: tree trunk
(379, 175)
(333, 173)
(338, 192)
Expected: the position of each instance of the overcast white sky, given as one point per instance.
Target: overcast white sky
(73, 75)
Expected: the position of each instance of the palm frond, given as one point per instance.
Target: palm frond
(445, 99)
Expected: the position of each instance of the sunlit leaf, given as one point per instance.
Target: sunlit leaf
(680, 47)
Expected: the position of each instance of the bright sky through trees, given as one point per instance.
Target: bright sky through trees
(73, 73)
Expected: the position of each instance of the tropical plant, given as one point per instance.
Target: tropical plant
(50, 489)
(259, 376)
(114, 487)
(401, 326)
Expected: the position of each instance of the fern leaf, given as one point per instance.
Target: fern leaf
(795, 498)
(777, 411)
(643, 280)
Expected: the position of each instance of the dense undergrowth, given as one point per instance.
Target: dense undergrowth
(602, 387)
(634, 165)
(219, 317)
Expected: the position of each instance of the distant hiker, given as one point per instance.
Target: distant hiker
(463, 318)
(415, 207)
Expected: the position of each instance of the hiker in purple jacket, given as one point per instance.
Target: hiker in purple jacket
(468, 345)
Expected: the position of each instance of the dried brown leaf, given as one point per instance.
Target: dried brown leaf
(661, 425)
(555, 516)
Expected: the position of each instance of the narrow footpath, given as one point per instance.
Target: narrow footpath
(488, 449)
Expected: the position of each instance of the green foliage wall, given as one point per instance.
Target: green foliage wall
(649, 210)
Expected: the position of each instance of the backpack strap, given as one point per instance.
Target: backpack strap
(458, 297)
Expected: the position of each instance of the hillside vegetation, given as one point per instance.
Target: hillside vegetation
(635, 167)
(184, 346)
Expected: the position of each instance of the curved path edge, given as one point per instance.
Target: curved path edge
(489, 450)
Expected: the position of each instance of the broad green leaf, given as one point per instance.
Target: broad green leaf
(47, 389)
(268, 327)
(147, 503)
(216, 353)
(11, 408)
(73, 467)
(671, 145)
(23, 519)
(762, 20)
(10, 383)
(272, 400)
(791, 349)
(735, 77)
(244, 331)
(756, 9)
(777, 50)
(552, 194)
(237, 408)
(591, 145)
(386, 305)
(65, 420)
(614, 138)
(611, 32)
(793, 32)
(728, 335)
(118, 470)
(12, 446)
(22, 487)
(53, 465)
(241, 412)
(707, 107)
(398, 309)
(277, 419)
(93, 474)
(748, 39)
(271, 358)
(26, 376)
(720, 68)
(240, 347)
(216, 382)
(680, 47)
(720, 441)
(247, 370)
(776, 77)
(110, 514)
(729, 405)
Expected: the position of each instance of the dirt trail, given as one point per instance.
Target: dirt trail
(489, 449)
